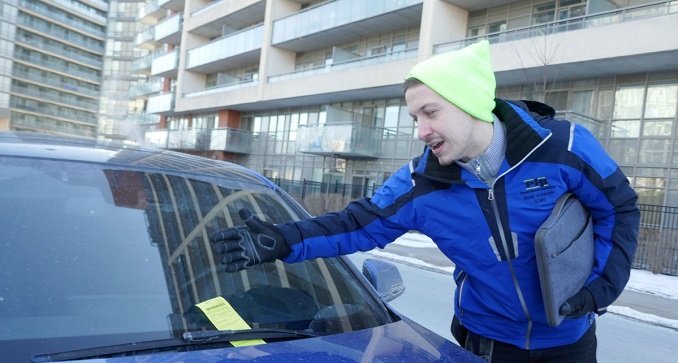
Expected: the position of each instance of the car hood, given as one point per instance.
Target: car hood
(401, 341)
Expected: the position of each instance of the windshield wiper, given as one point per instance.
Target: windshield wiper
(202, 336)
(190, 340)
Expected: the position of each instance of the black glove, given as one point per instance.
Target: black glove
(578, 305)
(244, 247)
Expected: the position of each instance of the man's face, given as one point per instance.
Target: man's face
(446, 129)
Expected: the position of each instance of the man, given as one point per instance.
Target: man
(489, 176)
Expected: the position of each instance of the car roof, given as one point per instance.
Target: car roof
(60, 147)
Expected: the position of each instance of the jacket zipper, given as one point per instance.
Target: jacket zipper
(461, 292)
(513, 272)
(490, 197)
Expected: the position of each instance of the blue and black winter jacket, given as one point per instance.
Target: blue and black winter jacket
(488, 230)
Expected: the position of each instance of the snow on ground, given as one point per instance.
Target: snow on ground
(648, 318)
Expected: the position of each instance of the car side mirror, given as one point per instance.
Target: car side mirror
(384, 277)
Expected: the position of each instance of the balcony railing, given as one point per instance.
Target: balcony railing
(144, 37)
(84, 10)
(231, 140)
(153, 85)
(332, 14)
(184, 139)
(575, 23)
(142, 118)
(353, 63)
(222, 88)
(166, 65)
(161, 103)
(347, 140)
(231, 45)
(226, 139)
(169, 30)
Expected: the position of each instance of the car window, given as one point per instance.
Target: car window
(96, 255)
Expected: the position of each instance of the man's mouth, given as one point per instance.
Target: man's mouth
(436, 146)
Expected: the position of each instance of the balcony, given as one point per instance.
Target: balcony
(142, 65)
(168, 31)
(82, 10)
(339, 21)
(146, 39)
(220, 18)
(230, 51)
(166, 65)
(184, 139)
(229, 140)
(151, 12)
(342, 60)
(343, 140)
(142, 118)
(143, 89)
(548, 49)
(154, 10)
(161, 104)
(174, 5)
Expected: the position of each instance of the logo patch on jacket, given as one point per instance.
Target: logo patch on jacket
(538, 190)
(536, 183)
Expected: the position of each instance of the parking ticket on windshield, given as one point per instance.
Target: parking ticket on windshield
(222, 315)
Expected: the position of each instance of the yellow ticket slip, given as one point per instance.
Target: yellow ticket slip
(224, 317)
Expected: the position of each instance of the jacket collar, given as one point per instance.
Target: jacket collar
(523, 134)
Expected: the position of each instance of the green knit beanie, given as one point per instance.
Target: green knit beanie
(464, 77)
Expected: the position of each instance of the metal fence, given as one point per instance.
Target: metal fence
(657, 240)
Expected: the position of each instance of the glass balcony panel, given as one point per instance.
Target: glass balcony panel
(331, 15)
(234, 44)
(142, 118)
(231, 140)
(184, 139)
(146, 88)
(83, 10)
(168, 30)
(166, 63)
(160, 103)
(145, 37)
(157, 138)
(631, 13)
(349, 140)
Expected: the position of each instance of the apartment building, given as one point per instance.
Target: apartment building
(311, 90)
(65, 66)
(53, 56)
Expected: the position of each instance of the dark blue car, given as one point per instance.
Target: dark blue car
(104, 256)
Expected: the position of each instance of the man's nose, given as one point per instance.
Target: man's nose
(423, 131)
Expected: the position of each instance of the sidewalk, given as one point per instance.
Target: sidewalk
(646, 307)
(649, 304)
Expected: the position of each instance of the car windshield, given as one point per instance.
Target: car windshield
(96, 255)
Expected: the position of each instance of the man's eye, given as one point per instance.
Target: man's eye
(414, 119)
(429, 113)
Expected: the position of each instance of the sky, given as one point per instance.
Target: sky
(640, 281)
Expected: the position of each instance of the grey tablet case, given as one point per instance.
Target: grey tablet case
(564, 247)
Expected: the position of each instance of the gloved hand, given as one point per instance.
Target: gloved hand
(244, 247)
(578, 305)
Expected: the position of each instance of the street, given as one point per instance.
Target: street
(427, 300)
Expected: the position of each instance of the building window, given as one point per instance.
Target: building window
(544, 13)
(628, 102)
(495, 27)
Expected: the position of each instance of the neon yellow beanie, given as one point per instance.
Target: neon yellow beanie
(464, 77)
